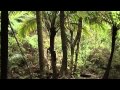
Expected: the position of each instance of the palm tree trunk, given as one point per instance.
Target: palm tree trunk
(64, 46)
(40, 41)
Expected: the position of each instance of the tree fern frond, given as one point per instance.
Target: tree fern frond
(27, 26)
(16, 17)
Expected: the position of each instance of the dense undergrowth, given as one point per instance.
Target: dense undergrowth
(92, 60)
(93, 55)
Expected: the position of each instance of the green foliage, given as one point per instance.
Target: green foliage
(95, 42)
(23, 22)
(28, 26)
(32, 41)
(16, 59)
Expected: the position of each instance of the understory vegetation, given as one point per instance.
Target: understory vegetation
(64, 45)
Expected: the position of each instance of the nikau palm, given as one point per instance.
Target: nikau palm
(40, 41)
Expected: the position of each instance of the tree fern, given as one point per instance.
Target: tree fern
(27, 26)
(22, 21)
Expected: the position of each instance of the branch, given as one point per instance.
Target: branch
(74, 23)
(78, 32)
(20, 48)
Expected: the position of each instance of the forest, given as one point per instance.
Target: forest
(63, 45)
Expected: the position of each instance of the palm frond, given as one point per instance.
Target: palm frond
(27, 26)
(16, 18)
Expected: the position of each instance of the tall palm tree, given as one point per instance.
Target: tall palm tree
(40, 41)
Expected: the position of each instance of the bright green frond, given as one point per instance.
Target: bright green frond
(27, 26)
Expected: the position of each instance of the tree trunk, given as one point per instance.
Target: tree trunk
(72, 52)
(53, 53)
(76, 56)
(52, 32)
(79, 31)
(64, 46)
(78, 41)
(73, 44)
(40, 41)
(114, 33)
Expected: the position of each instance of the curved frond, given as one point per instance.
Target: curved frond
(27, 26)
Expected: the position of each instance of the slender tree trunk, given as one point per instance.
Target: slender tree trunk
(73, 44)
(114, 33)
(72, 52)
(64, 46)
(76, 56)
(79, 31)
(53, 53)
(52, 32)
(40, 41)
(78, 42)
